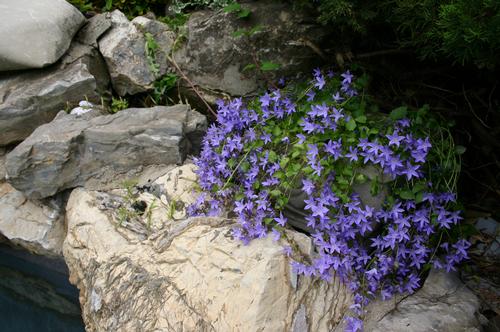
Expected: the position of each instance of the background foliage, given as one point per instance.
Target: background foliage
(466, 31)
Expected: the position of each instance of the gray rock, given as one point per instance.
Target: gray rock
(34, 225)
(30, 99)
(196, 128)
(494, 248)
(96, 26)
(487, 226)
(444, 304)
(35, 33)
(124, 49)
(99, 152)
(2, 165)
(214, 59)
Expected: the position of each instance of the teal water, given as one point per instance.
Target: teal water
(35, 295)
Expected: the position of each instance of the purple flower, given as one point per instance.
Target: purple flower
(301, 138)
(352, 154)
(319, 82)
(276, 235)
(266, 138)
(308, 127)
(337, 98)
(347, 77)
(395, 139)
(310, 95)
(319, 111)
(312, 151)
(265, 100)
(334, 148)
(353, 324)
(307, 186)
(411, 171)
(281, 220)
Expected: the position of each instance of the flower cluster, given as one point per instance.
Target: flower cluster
(321, 139)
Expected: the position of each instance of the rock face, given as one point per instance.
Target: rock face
(189, 276)
(444, 304)
(34, 225)
(30, 99)
(96, 26)
(124, 49)
(152, 273)
(2, 164)
(101, 152)
(214, 59)
(36, 33)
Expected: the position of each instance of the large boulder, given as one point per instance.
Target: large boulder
(189, 275)
(443, 304)
(2, 164)
(214, 59)
(36, 33)
(102, 151)
(124, 49)
(32, 98)
(34, 225)
(149, 272)
(141, 267)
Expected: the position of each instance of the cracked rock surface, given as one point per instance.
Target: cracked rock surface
(214, 59)
(123, 48)
(31, 98)
(156, 273)
(443, 304)
(102, 151)
(34, 225)
(189, 275)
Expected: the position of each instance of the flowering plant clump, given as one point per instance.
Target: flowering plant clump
(320, 137)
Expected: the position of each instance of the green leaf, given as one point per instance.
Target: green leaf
(255, 29)
(284, 161)
(272, 156)
(407, 194)
(361, 119)
(419, 197)
(347, 171)
(360, 178)
(295, 154)
(459, 149)
(296, 167)
(399, 113)
(109, 5)
(277, 131)
(418, 187)
(275, 193)
(279, 175)
(269, 66)
(239, 33)
(374, 187)
(245, 166)
(231, 8)
(244, 13)
(342, 180)
(351, 125)
(248, 67)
